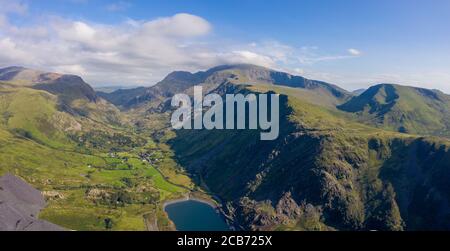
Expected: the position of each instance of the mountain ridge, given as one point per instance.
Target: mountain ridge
(69, 87)
(182, 81)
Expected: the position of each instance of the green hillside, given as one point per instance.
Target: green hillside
(403, 109)
(324, 172)
(93, 168)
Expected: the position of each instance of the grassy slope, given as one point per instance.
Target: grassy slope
(402, 108)
(34, 145)
(33, 112)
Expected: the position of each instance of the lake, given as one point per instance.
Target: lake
(193, 215)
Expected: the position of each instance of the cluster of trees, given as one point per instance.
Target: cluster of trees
(123, 197)
(102, 140)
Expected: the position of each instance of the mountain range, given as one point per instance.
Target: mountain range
(376, 159)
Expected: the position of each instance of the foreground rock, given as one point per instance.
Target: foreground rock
(20, 204)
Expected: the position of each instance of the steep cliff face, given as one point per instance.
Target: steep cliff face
(323, 172)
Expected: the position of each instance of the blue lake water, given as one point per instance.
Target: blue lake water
(192, 215)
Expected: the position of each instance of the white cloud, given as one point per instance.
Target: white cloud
(309, 55)
(179, 25)
(133, 52)
(354, 52)
(78, 32)
(298, 71)
(9, 51)
(249, 57)
(71, 69)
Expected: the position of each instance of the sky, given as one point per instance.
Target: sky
(351, 43)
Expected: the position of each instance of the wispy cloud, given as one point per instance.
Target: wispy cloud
(133, 52)
(311, 54)
(13, 6)
(118, 6)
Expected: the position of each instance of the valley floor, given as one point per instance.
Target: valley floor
(101, 191)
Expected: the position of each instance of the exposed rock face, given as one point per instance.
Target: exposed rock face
(20, 204)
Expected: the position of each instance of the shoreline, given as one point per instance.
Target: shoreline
(188, 198)
(217, 207)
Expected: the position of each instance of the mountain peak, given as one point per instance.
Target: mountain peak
(68, 87)
(25, 76)
(402, 108)
(376, 98)
(11, 68)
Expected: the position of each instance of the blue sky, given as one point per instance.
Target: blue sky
(347, 42)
